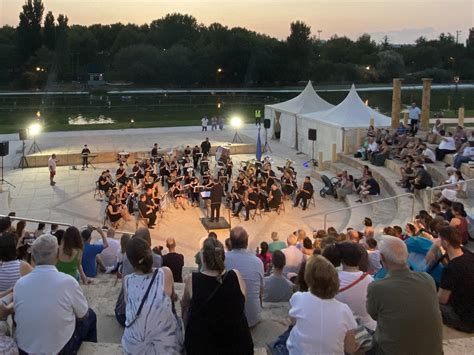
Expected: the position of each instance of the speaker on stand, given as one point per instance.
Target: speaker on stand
(266, 125)
(312, 136)
(23, 134)
(4, 150)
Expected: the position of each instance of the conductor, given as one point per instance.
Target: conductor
(217, 192)
(85, 156)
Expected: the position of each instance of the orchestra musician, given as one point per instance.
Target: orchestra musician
(217, 192)
(187, 151)
(236, 193)
(85, 157)
(104, 183)
(305, 192)
(250, 202)
(164, 170)
(137, 173)
(204, 164)
(221, 175)
(206, 146)
(146, 211)
(288, 184)
(154, 152)
(179, 195)
(121, 174)
(113, 212)
(150, 167)
(196, 155)
(229, 167)
(194, 191)
(148, 181)
(151, 199)
(274, 198)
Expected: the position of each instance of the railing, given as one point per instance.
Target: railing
(32, 220)
(441, 187)
(326, 213)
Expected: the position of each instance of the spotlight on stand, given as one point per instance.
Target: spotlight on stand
(236, 122)
(33, 131)
(132, 122)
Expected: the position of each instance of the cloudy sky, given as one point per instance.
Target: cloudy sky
(402, 20)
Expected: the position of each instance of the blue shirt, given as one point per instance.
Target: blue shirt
(88, 258)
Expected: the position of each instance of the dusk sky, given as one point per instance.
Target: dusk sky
(403, 20)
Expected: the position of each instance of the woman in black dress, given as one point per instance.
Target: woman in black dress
(213, 307)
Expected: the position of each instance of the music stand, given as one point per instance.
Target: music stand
(2, 180)
(90, 159)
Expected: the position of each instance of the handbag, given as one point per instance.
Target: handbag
(145, 296)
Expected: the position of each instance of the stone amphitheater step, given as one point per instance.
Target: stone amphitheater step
(388, 182)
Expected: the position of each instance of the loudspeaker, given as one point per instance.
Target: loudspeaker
(23, 134)
(312, 136)
(4, 149)
(266, 123)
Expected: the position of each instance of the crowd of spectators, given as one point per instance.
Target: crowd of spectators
(364, 291)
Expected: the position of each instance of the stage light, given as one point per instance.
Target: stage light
(219, 70)
(34, 129)
(132, 121)
(38, 114)
(235, 122)
(367, 67)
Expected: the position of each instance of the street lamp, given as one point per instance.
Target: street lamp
(236, 122)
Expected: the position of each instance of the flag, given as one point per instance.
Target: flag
(258, 153)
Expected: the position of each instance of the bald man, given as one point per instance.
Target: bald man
(405, 306)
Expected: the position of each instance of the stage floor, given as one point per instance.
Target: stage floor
(71, 200)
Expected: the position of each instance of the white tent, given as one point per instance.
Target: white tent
(283, 116)
(338, 122)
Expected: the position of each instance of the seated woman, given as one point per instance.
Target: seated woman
(70, 255)
(213, 307)
(179, 195)
(353, 283)
(432, 136)
(151, 327)
(148, 180)
(193, 193)
(378, 159)
(287, 184)
(320, 321)
(11, 268)
(104, 183)
(346, 187)
(121, 174)
(457, 190)
(114, 212)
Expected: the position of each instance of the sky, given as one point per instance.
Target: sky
(402, 21)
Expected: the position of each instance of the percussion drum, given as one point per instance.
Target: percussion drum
(222, 154)
(122, 157)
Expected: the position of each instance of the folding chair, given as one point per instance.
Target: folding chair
(256, 212)
(281, 207)
(140, 219)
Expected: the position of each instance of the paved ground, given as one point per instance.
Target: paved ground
(71, 200)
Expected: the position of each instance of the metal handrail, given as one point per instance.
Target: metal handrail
(326, 213)
(431, 189)
(33, 220)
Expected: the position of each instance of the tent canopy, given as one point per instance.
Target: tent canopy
(307, 101)
(352, 112)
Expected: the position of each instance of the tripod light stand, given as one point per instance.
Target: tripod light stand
(34, 130)
(312, 161)
(23, 161)
(236, 122)
(266, 147)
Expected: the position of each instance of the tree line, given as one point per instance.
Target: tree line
(177, 51)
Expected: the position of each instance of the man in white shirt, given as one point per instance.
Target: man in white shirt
(466, 156)
(427, 154)
(51, 311)
(109, 256)
(52, 169)
(446, 146)
(204, 122)
(251, 269)
(414, 114)
(293, 256)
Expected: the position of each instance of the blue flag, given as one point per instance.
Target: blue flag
(258, 153)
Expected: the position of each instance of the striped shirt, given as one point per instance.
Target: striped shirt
(9, 274)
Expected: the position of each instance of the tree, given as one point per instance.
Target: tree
(174, 29)
(299, 50)
(29, 29)
(49, 31)
(390, 65)
(138, 63)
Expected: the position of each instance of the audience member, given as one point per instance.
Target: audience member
(374, 256)
(322, 324)
(405, 306)
(11, 269)
(213, 307)
(264, 255)
(151, 326)
(51, 312)
(293, 256)
(353, 283)
(174, 260)
(446, 145)
(91, 251)
(459, 221)
(307, 248)
(464, 156)
(70, 255)
(456, 291)
(109, 257)
(277, 287)
(276, 244)
(251, 269)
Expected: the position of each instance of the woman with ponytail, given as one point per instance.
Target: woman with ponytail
(213, 307)
(151, 326)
